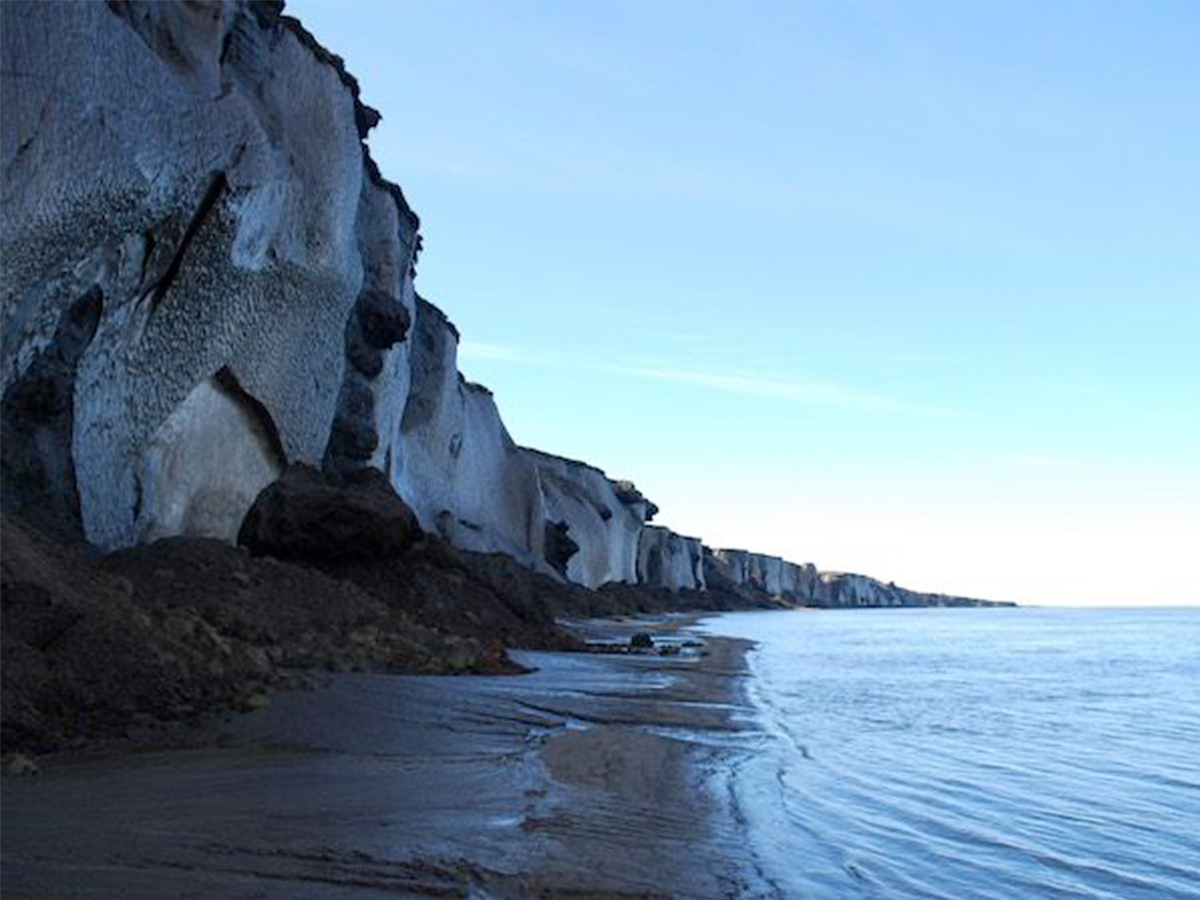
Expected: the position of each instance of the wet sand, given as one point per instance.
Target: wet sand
(596, 776)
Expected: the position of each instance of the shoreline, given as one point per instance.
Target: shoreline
(591, 777)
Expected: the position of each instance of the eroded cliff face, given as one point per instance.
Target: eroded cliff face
(804, 585)
(209, 279)
(670, 560)
(842, 589)
(604, 518)
(196, 173)
(775, 576)
(203, 467)
(453, 461)
(206, 280)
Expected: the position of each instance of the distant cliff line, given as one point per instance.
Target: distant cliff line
(207, 280)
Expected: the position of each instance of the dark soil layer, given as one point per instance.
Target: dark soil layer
(111, 647)
(632, 599)
(99, 648)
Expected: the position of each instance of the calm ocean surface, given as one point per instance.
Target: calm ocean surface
(1028, 753)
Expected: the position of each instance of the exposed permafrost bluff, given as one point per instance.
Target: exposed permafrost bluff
(254, 512)
(208, 280)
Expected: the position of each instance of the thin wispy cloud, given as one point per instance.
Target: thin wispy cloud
(807, 392)
(810, 393)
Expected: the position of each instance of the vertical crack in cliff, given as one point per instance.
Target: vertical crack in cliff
(228, 382)
(215, 189)
(38, 420)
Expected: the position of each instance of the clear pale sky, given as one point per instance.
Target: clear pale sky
(904, 289)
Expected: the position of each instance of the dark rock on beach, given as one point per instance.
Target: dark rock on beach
(303, 516)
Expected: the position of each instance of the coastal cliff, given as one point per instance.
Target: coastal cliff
(452, 459)
(207, 284)
(602, 518)
(670, 560)
(187, 231)
(804, 585)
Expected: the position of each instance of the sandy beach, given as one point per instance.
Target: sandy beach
(595, 776)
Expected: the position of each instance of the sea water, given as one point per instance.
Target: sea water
(972, 753)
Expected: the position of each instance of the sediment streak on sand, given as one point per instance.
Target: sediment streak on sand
(590, 778)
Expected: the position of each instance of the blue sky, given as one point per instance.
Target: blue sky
(905, 289)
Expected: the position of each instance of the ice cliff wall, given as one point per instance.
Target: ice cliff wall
(805, 585)
(454, 462)
(841, 589)
(670, 560)
(770, 574)
(205, 279)
(208, 278)
(605, 518)
(193, 176)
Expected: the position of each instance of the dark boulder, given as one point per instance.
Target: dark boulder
(379, 323)
(306, 516)
(383, 320)
(641, 640)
